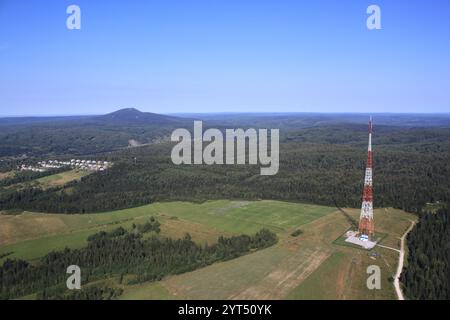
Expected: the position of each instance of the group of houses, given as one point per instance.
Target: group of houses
(89, 165)
(25, 167)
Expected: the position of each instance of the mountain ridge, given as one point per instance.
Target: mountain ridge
(135, 116)
(126, 116)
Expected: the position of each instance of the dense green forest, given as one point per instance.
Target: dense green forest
(84, 135)
(322, 165)
(87, 135)
(88, 293)
(427, 275)
(121, 252)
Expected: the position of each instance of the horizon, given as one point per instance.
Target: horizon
(225, 113)
(224, 57)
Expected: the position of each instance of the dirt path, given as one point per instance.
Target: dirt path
(288, 275)
(401, 256)
(390, 248)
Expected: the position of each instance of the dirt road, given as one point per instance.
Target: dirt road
(401, 257)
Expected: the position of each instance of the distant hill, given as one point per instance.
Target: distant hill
(126, 116)
(134, 116)
(80, 135)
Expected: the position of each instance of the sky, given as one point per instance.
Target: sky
(172, 56)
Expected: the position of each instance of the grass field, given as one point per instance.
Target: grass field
(4, 175)
(62, 178)
(343, 275)
(434, 207)
(54, 180)
(152, 291)
(32, 235)
(309, 266)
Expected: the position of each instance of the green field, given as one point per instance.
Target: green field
(309, 266)
(62, 178)
(54, 180)
(150, 291)
(32, 235)
(318, 284)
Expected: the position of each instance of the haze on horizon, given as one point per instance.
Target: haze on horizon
(199, 56)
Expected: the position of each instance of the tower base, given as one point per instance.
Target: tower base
(366, 228)
(354, 237)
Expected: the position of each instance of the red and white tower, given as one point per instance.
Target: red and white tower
(366, 225)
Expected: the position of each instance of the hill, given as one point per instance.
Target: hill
(132, 116)
(125, 116)
(80, 135)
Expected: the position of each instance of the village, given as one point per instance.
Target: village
(88, 165)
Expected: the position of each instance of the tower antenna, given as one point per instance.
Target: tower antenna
(366, 223)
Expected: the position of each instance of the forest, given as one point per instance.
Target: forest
(82, 135)
(322, 165)
(88, 135)
(88, 293)
(427, 275)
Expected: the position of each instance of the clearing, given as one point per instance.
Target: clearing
(54, 180)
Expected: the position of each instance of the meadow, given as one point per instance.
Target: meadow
(32, 235)
(50, 181)
(308, 266)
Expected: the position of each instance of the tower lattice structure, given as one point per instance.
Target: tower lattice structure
(366, 223)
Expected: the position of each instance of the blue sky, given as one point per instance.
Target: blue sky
(224, 56)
